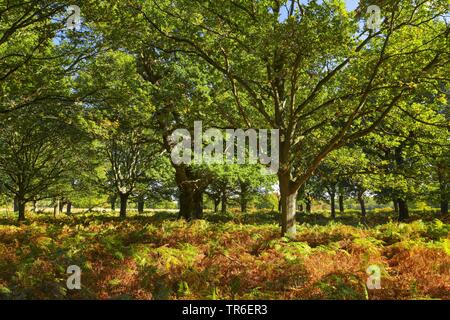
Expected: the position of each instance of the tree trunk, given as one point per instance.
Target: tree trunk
(362, 205)
(113, 203)
(21, 208)
(244, 195)
(69, 208)
(61, 206)
(198, 205)
(288, 205)
(55, 208)
(224, 202)
(333, 205)
(216, 204)
(243, 204)
(16, 204)
(186, 202)
(403, 212)
(140, 205)
(341, 204)
(395, 205)
(123, 204)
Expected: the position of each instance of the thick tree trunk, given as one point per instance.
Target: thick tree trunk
(123, 204)
(403, 212)
(394, 201)
(61, 206)
(186, 202)
(198, 205)
(21, 208)
(69, 208)
(333, 205)
(341, 204)
(362, 205)
(288, 205)
(140, 205)
(224, 202)
(16, 204)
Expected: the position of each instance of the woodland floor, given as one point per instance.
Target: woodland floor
(236, 256)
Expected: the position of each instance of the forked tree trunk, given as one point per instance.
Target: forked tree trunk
(123, 204)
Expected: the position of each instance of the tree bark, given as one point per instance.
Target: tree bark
(333, 205)
(243, 205)
(16, 204)
(395, 205)
(288, 205)
(341, 204)
(362, 205)
(55, 208)
(21, 208)
(224, 202)
(198, 205)
(113, 203)
(69, 208)
(186, 202)
(403, 212)
(123, 204)
(216, 204)
(61, 206)
(140, 205)
(244, 195)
